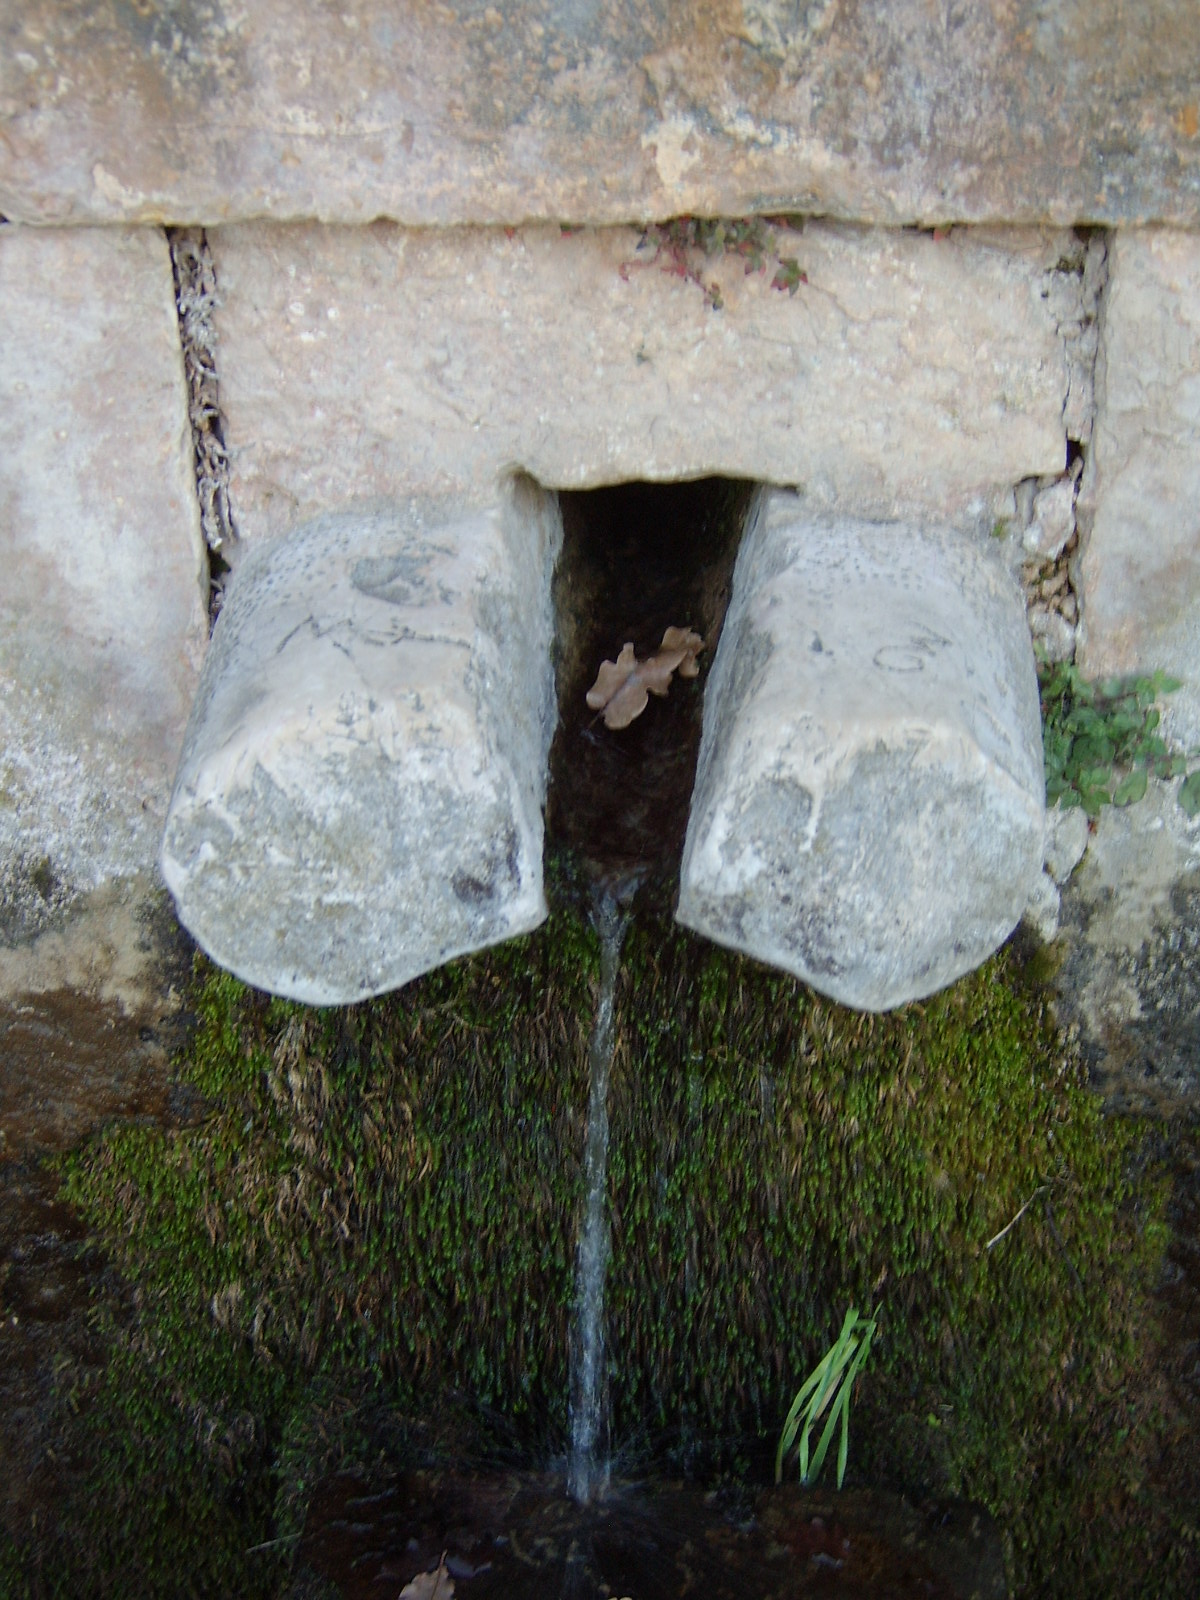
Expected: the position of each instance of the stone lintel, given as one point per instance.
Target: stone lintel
(1055, 111)
(903, 374)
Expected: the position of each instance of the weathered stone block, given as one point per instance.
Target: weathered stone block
(1131, 979)
(908, 372)
(1140, 570)
(360, 794)
(102, 614)
(868, 810)
(1036, 110)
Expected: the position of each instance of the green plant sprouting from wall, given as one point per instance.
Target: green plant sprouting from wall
(377, 1210)
(828, 1387)
(1102, 742)
(681, 245)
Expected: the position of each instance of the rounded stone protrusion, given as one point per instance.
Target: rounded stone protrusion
(868, 809)
(362, 783)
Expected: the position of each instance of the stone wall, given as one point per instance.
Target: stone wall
(965, 292)
(915, 112)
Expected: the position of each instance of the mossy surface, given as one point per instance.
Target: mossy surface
(378, 1209)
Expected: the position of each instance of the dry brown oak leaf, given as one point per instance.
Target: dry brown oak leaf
(435, 1585)
(623, 687)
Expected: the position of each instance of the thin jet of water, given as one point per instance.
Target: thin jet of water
(587, 1473)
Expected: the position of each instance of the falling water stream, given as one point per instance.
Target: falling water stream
(587, 1464)
(637, 559)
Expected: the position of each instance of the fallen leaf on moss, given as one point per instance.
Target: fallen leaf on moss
(623, 687)
(436, 1585)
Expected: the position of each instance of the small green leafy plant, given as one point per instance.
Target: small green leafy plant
(1101, 740)
(828, 1386)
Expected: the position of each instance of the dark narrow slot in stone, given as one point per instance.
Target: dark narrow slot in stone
(195, 299)
(637, 559)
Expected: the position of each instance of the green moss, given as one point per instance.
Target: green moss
(14, 1582)
(801, 1158)
(379, 1206)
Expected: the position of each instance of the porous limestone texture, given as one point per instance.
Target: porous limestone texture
(1139, 576)
(1130, 980)
(1065, 841)
(907, 374)
(1042, 912)
(360, 794)
(102, 602)
(1053, 520)
(868, 809)
(465, 112)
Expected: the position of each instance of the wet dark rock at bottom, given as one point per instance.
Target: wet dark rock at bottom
(517, 1535)
(46, 1341)
(1176, 1474)
(70, 1063)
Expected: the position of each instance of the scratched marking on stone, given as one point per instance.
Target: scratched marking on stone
(911, 656)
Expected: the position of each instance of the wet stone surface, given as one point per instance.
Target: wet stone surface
(69, 1063)
(1179, 1301)
(1129, 978)
(1160, 1045)
(46, 1342)
(516, 1535)
(511, 1534)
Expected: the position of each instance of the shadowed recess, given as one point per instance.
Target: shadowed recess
(637, 559)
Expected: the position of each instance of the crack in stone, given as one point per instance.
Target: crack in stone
(1076, 289)
(195, 298)
(1095, 291)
